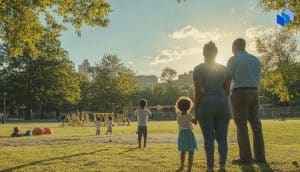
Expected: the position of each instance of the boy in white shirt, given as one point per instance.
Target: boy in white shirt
(110, 124)
(142, 114)
(98, 124)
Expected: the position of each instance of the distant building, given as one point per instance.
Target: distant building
(147, 81)
(186, 79)
(84, 69)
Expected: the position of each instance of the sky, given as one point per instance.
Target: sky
(148, 35)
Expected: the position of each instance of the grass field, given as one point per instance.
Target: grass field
(77, 149)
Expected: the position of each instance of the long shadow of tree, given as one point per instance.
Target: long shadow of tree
(50, 159)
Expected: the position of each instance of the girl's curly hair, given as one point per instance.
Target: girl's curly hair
(184, 104)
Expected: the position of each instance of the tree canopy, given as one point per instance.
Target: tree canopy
(23, 24)
(280, 71)
(112, 85)
(278, 5)
(168, 74)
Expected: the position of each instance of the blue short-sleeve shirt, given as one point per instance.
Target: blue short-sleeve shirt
(245, 70)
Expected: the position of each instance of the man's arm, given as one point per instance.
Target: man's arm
(230, 67)
(230, 73)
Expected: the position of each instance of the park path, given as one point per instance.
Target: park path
(116, 139)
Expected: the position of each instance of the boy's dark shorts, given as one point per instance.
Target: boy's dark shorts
(142, 130)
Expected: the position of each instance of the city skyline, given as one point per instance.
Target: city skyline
(173, 36)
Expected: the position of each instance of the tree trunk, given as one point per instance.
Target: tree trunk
(42, 112)
(28, 114)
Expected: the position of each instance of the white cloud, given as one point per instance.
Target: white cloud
(251, 5)
(253, 32)
(170, 55)
(130, 62)
(232, 10)
(251, 8)
(191, 32)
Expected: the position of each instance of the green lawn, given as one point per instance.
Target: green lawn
(77, 149)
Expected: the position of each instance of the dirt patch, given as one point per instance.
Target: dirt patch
(117, 139)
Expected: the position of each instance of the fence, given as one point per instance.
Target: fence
(279, 112)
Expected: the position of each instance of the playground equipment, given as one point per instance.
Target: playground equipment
(77, 119)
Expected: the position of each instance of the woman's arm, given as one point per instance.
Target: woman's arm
(227, 85)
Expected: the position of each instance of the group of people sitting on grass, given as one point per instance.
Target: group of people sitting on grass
(219, 92)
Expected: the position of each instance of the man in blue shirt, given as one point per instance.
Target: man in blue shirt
(245, 70)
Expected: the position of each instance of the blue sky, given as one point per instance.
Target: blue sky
(149, 35)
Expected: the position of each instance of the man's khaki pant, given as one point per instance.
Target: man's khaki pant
(244, 106)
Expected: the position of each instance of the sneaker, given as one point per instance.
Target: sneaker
(210, 169)
(222, 169)
(241, 162)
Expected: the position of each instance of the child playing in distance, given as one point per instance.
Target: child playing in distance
(17, 132)
(142, 114)
(110, 125)
(97, 124)
(186, 138)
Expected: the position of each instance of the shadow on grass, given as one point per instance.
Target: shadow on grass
(50, 159)
(247, 168)
(265, 167)
(129, 150)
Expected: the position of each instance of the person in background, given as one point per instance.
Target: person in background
(16, 132)
(142, 114)
(98, 124)
(110, 125)
(186, 138)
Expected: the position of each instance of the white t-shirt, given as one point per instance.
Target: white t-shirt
(184, 121)
(142, 116)
(98, 124)
(110, 124)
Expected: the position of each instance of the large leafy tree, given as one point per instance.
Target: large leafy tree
(112, 86)
(279, 5)
(42, 84)
(46, 81)
(280, 71)
(168, 74)
(23, 24)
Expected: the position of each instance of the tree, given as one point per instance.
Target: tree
(23, 24)
(278, 51)
(294, 5)
(113, 84)
(168, 74)
(43, 82)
